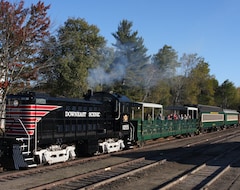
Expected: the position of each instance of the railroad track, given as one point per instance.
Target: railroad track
(99, 177)
(206, 174)
(4, 176)
(174, 155)
(104, 176)
(203, 167)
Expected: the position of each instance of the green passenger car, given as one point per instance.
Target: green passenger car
(152, 124)
(231, 118)
(211, 117)
(164, 128)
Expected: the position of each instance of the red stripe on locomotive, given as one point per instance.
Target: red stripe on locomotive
(24, 120)
(35, 107)
(29, 115)
(19, 126)
(19, 132)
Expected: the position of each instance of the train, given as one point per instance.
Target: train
(41, 129)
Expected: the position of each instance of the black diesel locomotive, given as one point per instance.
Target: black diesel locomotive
(43, 129)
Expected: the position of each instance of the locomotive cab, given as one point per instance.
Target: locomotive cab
(118, 108)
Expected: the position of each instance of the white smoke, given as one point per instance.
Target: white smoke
(99, 76)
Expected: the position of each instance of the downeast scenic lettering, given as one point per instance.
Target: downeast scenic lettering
(81, 114)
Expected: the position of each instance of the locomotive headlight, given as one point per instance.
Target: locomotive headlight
(15, 103)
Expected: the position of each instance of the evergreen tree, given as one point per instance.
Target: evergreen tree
(130, 56)
(167, 62)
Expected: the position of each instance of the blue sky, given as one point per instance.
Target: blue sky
(210, 28)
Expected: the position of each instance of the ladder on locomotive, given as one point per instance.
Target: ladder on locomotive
(22, 155)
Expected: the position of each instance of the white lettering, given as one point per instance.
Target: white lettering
(94, 114)
(82, 114)
(75, 114)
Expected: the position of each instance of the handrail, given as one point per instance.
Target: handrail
(119, 112)
(26, 133)
(132, 131)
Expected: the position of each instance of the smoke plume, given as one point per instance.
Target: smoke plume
(99, 76)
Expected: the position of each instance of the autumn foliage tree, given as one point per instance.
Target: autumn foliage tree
(21, 32)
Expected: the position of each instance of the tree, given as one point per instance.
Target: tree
(237, 106)
(166, 64)
(21, 32)
(201, 85)
(77, 50)
(129, 45)
(100, 77)
(226, 95)
(130, 55)
(47, 74)
(177, 87)
(180, 84)
(160, 93)
(187, 63)
(167, 61)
